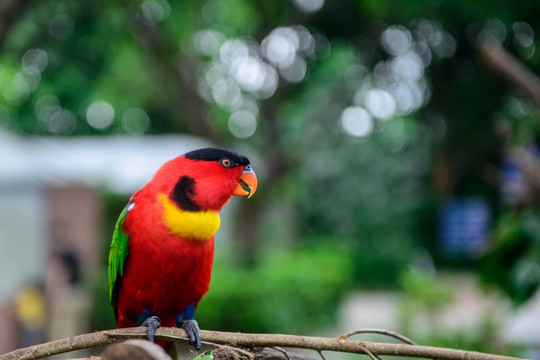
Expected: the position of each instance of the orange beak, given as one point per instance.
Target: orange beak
(247, 184)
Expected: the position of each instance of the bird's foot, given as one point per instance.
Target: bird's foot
(192, 329)
(152, 323)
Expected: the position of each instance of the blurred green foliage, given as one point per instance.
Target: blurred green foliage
(101, 311)
(516, 249)
(292, 292)
(338, 193)
(424, 290)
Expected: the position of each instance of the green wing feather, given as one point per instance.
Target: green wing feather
(117, 257)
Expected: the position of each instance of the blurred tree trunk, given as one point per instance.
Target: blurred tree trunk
(10, 10)
(190, 113)
(278, 160)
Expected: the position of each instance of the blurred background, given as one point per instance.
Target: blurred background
(396, 145)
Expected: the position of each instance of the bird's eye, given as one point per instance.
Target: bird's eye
(226, 163)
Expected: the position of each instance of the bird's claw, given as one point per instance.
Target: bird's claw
(191, 327)
(152, 323)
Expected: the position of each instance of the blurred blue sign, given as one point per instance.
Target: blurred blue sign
(463, 227)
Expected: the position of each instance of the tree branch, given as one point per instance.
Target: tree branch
(514, 71)
(339, 344)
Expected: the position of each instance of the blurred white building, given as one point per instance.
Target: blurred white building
(51, 219)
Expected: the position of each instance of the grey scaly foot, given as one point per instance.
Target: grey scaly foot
(152, 323)
(192, 329)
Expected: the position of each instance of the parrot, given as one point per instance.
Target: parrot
(162, 249)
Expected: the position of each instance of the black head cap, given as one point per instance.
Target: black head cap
(215, 154)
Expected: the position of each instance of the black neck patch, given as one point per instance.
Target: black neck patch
(183, 192)
(215, 154)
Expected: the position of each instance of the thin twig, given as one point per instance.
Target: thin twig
(378, 331)
(369, 353)
(210, 344)
(273, 354)
(249, 341)
(281, 351)
(320, 353)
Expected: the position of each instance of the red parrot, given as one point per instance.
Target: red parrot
(161, 255)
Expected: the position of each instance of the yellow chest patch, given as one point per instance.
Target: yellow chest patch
(192, 225)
